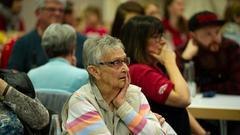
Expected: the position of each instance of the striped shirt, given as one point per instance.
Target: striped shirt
(86, 112)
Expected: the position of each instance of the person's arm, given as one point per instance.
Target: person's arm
(190, 51)
(155, 85)
(179, 96)
(29, 110)
(196, 128)
(143, 121)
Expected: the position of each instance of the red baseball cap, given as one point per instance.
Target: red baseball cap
(203, 19)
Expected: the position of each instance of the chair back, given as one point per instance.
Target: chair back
(53, 99)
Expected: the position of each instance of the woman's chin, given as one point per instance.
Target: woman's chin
(122, 82)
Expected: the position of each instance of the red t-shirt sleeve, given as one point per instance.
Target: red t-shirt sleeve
(155, 85)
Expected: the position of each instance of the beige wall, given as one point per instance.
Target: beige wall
(193, 6)
(28, 13)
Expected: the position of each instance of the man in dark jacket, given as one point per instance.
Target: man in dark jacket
(28, 52)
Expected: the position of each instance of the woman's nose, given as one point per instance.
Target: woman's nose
(125, 67)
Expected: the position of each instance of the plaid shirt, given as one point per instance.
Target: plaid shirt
(219, 71)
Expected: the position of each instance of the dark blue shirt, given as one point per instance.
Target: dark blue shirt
(28, 53)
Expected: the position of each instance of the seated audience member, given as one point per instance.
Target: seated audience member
(149, 54)
(124, 12)
(19, 112)
(28, 53)
(93, 22)
(59, 43)
(174, 22)
(10, 20)
(109, 104)
(231, 28)
(216, 58)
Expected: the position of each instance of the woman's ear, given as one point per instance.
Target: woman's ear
(94, 71)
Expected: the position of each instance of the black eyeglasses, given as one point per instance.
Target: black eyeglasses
(117, 63)
(158, 37)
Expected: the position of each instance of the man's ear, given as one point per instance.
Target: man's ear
(94, 71)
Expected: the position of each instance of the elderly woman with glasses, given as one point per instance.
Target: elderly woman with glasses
(108, 104)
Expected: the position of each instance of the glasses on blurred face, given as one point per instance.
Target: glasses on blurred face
(52, 9)
(157, 37)
(117, 63)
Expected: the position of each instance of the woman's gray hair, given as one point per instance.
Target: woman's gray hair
(95, 48)
(59, 40)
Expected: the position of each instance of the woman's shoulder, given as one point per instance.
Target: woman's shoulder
(83, 92)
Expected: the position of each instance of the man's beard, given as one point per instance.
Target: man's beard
(208, 58)
(210, 48)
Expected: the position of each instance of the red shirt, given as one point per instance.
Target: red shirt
(93, 32)
(6, 52)
(155, 85)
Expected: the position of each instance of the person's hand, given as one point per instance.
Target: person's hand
(190, 51)
(165, 56)
(3, 85)
(120, 98)
(160, 118)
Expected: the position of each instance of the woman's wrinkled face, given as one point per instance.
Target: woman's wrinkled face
(113, 68)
